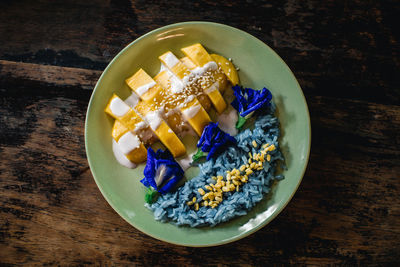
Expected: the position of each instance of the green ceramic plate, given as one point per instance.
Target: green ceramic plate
(259, 67)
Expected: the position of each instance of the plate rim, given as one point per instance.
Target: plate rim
(277, 211)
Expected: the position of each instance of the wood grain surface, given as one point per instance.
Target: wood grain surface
(345, 55)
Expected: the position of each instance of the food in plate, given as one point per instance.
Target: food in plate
(165, 106)
(235, 170)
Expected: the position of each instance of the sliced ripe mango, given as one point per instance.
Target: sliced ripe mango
(164, 80)
(170, 140)
(174, 120)
(149, 104)
(197, 122)
(217, 100)
(227, 67)
(196, 115)
(143, 108)
(144, 86)
(198, 54)
(114, 108)
(193, 111)
(118, 130)
(138, 155)
(174, 64)
(132, 147)
(188, 63)
(126, 120)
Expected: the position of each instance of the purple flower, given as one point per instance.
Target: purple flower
(248, 101)
(212, 140)
(161, 173)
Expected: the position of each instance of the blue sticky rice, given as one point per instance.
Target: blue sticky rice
(172, 206)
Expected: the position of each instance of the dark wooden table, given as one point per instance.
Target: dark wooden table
(345, 55)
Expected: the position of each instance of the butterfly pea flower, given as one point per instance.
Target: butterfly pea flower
(161, 173)
(212, 140)
(248, 101)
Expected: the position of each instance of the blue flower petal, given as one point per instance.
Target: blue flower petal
(249, 100)
(162, 167)
(213, 139)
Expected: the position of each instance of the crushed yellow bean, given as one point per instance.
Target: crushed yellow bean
(254, 143)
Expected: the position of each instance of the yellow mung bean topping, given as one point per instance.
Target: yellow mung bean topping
(234, 178)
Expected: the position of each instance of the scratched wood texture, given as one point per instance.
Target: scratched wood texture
(345, 55)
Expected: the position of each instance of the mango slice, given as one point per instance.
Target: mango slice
(200, 57)
(196, 115)
(126, 120)
(145, 87)
(193, 111)
(138, 155)
(118, 130)
(152, 101)
(115, 109)
(174, 64)
(198, 54)
(188, 63)
(227, 67)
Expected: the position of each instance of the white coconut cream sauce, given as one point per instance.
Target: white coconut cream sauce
(120, 157)
(175, 83)
(184, 162)
(141, 90)
(128, 142)
(227, 120)
(132, 100)
(118, 107)
(191, 111)
(153, 119)
(171, 60)
(206, 67)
